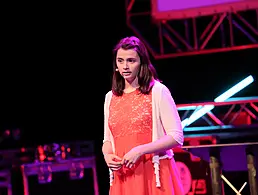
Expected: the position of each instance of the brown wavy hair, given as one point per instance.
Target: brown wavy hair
(147, 72)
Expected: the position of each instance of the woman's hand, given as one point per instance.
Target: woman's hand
(132, 156)
(113, 161)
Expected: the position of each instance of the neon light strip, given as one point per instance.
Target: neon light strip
(229, 93)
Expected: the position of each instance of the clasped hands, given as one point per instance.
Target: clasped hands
(114, 162)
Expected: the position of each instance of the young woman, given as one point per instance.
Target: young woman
(142, 125)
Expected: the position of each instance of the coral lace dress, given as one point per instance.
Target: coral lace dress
(130, 121)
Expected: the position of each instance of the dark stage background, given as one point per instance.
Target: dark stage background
(57, 66)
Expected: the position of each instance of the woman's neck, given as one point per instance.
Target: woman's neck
(131, 86)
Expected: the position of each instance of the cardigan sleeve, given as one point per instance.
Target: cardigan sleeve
(106, 114)
(169, 116)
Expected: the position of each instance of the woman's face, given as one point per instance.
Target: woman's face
(128, 63)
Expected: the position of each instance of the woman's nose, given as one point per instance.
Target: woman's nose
(126, 66)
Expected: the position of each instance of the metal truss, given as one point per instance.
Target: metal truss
(236, 30)
(233, 113)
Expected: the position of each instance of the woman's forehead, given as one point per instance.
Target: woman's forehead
(122, 53)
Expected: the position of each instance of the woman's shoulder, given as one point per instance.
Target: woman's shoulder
(159, 86)
(109, 93)
(108, 96)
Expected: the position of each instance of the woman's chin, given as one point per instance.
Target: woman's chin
(129, 79)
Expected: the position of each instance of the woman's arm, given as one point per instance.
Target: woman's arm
(112, 161)
(107, 148)
(160, 145)
(171, 123)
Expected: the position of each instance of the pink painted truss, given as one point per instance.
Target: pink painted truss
(194, 31)
(233, 113)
